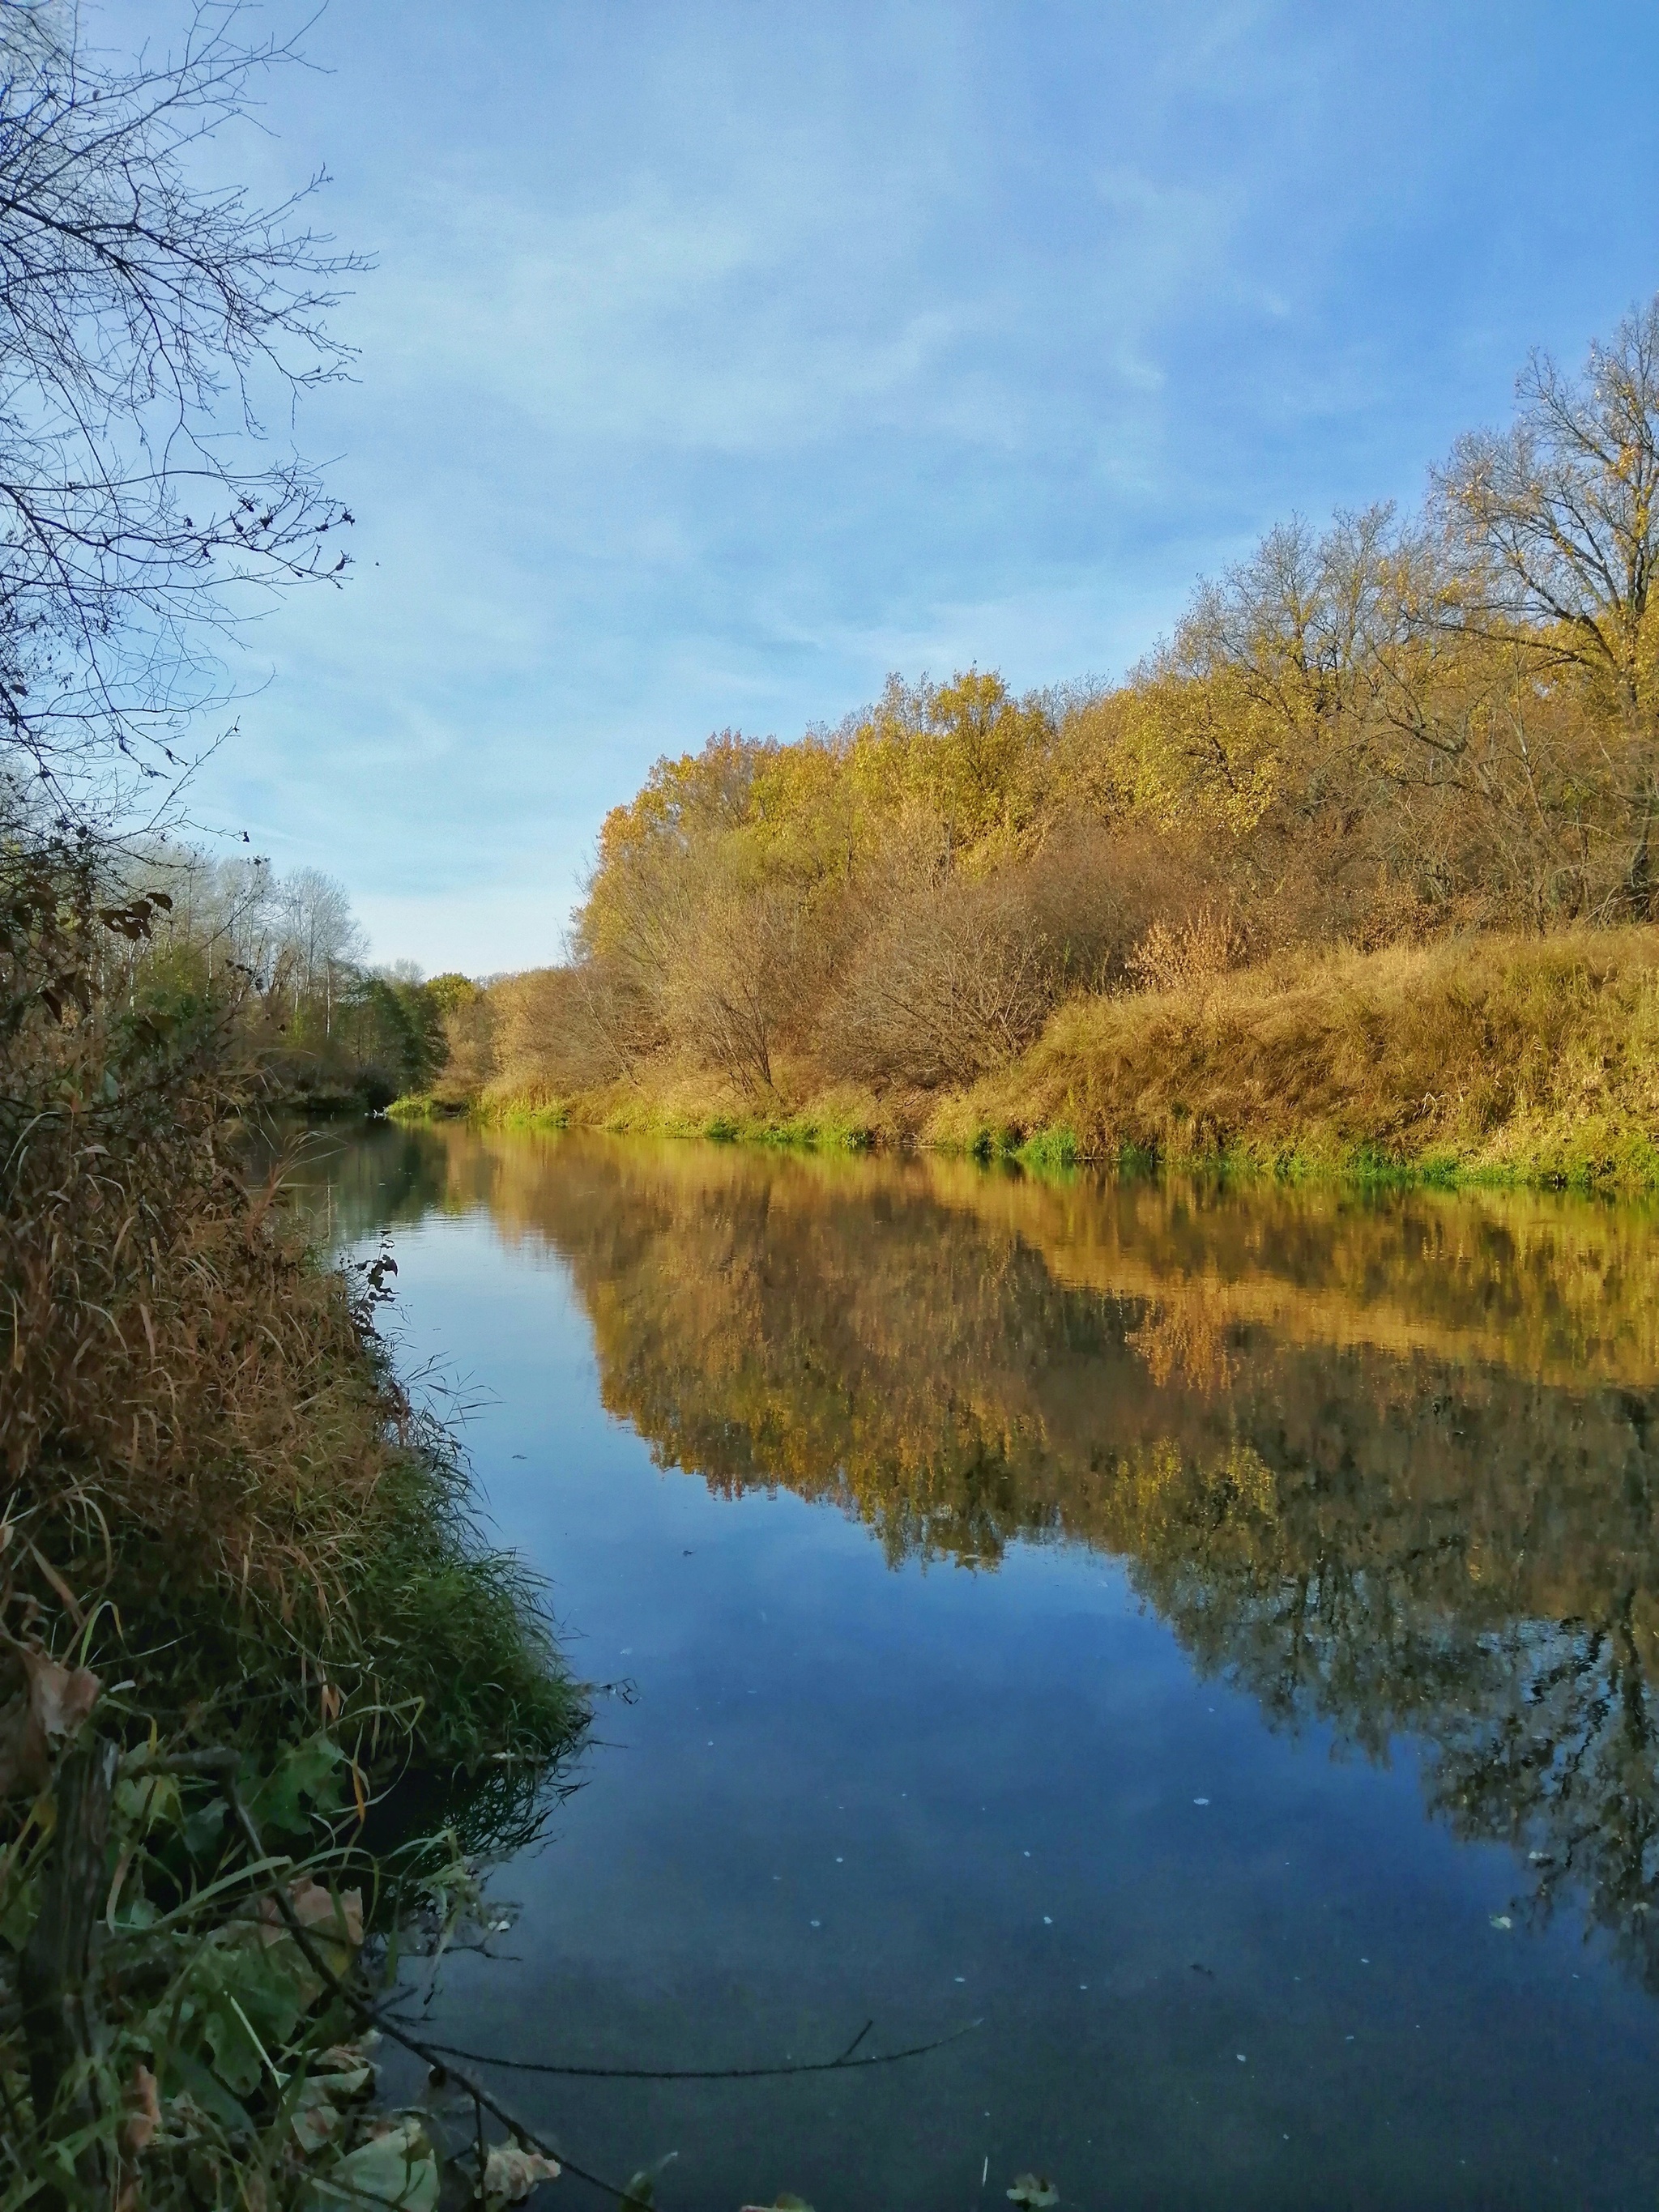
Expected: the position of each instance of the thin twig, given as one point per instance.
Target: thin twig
(428, 2053)
(845, 2064)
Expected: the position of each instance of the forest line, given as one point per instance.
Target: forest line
(1403, 732)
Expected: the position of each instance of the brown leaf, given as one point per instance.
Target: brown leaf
(62, 1696)
(321, 1913)
(143, 2111)
(51, 1705)
(316, 1907)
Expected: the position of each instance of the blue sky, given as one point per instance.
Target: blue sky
(720, 358)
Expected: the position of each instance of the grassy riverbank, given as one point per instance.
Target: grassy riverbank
(1524, 1058)
(1536, 1060)
(247, 1622)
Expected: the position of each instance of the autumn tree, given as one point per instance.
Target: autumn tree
(1397, 725)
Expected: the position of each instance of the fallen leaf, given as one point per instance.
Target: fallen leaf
(62, 1696)
(51, 1705)
(318, 1910)
(1033, 2190)
(316, 2123)
(342, 2075)
(511, 2171)
(347, 2068)
(319, 1907)
(395, 2168)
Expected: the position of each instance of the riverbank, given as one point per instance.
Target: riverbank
(257, 1662)
(1509, 1059)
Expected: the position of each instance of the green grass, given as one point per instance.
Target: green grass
(416, 1106)
(1050, 1151)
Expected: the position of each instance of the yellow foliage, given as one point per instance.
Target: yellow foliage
(1387, 732)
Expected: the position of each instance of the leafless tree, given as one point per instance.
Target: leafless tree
(319, 928)
(1559, 514)
(155, 331)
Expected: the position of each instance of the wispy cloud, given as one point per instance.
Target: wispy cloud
(721, 358)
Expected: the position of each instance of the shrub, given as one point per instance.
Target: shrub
(1174, 957)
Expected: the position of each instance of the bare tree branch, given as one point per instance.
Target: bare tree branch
(149, 321)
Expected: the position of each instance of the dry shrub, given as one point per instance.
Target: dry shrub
(177, 1370)
(469, 1022)
(957, 974)
(952, 982)
(1096, 889)
(743, 985)
(547, 1039)
(616, 1021)
(198, 1421)
(551, 1031)
(1181, 956)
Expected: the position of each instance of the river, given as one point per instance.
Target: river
(1202, 1642)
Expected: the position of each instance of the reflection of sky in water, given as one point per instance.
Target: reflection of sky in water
(1217, 1962)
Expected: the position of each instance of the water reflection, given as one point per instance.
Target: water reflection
(1388, 1464)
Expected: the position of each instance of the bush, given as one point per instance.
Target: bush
(958, 973)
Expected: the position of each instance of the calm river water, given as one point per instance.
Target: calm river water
(1208, 1638)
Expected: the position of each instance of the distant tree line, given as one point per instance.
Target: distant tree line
(1402, 726)
(280, 963)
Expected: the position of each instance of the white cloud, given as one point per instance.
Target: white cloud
(721, 359)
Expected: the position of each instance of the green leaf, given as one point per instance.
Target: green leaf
(236, 2054)
(22, 1901)
(245, 1993)
(311, 1769)
(1033, 2190)
(210, 2093)
(203, 1829)
(151, 1800)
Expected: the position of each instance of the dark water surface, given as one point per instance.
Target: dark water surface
(1210, 1639)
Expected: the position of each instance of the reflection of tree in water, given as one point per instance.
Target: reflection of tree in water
(1562, 1762)
(1540, 1734)
(1339, 1508)
(1508, 1623)
(347, 1180)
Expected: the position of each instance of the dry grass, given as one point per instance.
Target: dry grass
(1524, 1057)
(197, 1424)
(1529, 1056)
(228, 1544)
